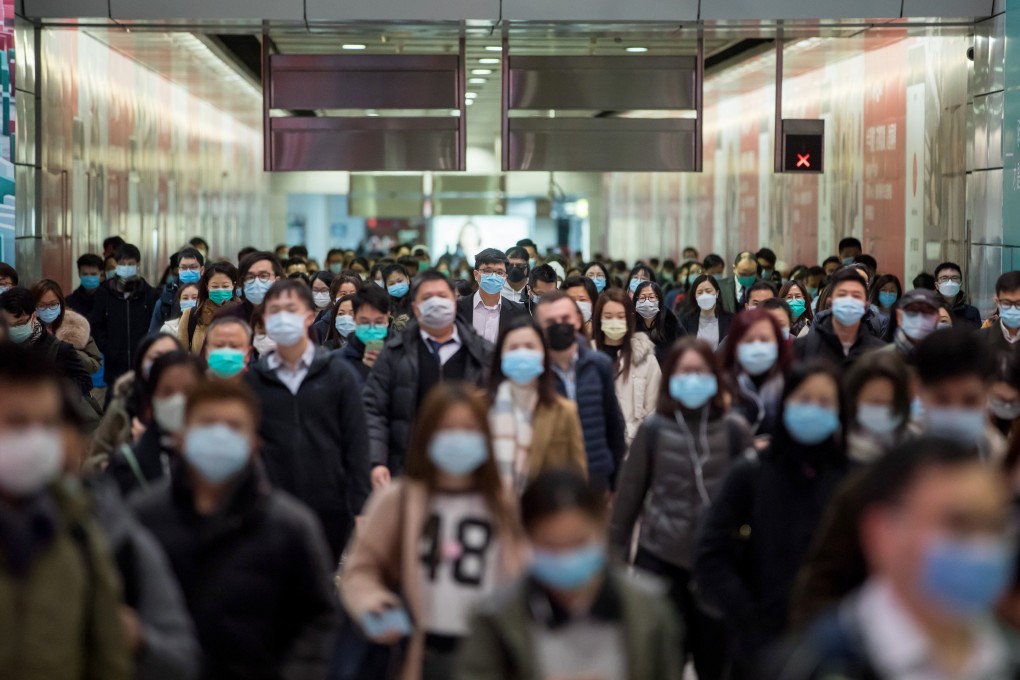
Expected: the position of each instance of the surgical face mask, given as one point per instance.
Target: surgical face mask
(707, 301)
(336, 267)
(691, 278)
(964, 425)
(634, 283)
(1010, 317)
(648, 309)
(216, 452)
(436, 313)
(600, 283)
(30, 458)
(286, 328)
(966, 576)
(585, 308)
(813, 292)
(878, 419)
(380, 283)
(568, 571)
(1004, 410)
(20, 334)
(847, 310)
(523, 365)
(614, 329)
(767, 273)
(127, 271)
(48, 314)
(188, 304)
(189, 276)
(797, 306)
(693, 390)
(886, 299)
(221, 296)
(168, 412)
(90, 281)
(949, 289)
(226, 362)
(458, 452)
(917, 325)
(255, 291)
(757, 357)
(491, 283)
(746, 281)
(809, 424)
(516, 273)
(398, 290)
(370, 332)
(344, 325)
(262, 344)
(321, 300)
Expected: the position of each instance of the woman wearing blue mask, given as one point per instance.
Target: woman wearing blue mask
(877, 393)
(638, 275)
(573, 616)
(757, 362)
(654, 318)
(533, 427)
(436, 542)
(398, 285)
(680, 291)
(761, 522)
(885, 292)
(341, 324)
(599, 275)
(799, 298)
(667, 483)
(215, 292)
(67, 325)
(185, 299)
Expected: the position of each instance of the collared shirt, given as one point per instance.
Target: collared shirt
(899, 649)
(447, 349)
(486, 318)
(1011, 339)
(292, 376)
(569, 376)
(512, 295)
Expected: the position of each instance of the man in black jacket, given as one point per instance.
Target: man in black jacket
(488, 311)
(371, 329)
(189, 265)
(122, 312)
(90, 272)
(838, 334)
(251, 561)
(17, 307)
(313, 426)
(435, 347)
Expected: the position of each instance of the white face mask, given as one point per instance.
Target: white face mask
(585, 308)
(436, 313)
(30, 458)
(286, 328)
(321, 300)
(263, 345)
(169, 412)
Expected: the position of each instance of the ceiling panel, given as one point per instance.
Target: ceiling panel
(204, 9)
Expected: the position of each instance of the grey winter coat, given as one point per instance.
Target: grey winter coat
(659, 482)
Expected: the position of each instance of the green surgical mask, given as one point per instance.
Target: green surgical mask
(221, 296)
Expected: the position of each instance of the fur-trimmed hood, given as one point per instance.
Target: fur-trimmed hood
(74, 330)
(641, 348)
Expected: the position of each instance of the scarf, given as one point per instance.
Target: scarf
(37, 333)
(510, 423)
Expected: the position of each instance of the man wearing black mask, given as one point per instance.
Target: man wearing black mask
(586, 377)
(517, 272)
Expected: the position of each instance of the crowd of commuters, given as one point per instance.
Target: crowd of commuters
(507, 467)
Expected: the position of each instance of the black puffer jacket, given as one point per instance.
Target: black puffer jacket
(120, 319)
(314, 444)
(822, 341)
(255, 576)
(391, 393)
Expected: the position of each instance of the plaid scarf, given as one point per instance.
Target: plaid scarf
(510, 423)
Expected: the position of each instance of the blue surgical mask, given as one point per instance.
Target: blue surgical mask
(847, 310)
(568, 571)
(522, 365)
(634, 283)
(1010, 317)
(20, 334)
(691, 278)
(757, 357)
(797, 306)
(693, 390)
(190, 276)
(878, 419)
(226, 362)
(370, 332)
(813, 292)
(345, 325)
(47, 314)
(492, 283)
(458, 452)
(216, 452)
(965, 425)
(809, 424)
(255, 291)
(336, 267)
(600, 283)
(398, 290)
(127, 271)
(188, 304)
(918, 326)
(90, 281)
(966, 577)
(847, 261)
(887, 299)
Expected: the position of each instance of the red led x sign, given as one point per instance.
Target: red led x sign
(803, 160)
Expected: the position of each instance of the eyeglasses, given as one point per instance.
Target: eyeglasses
(497, 272)
(648, 298)
(264, 277)
(596, 277)
(189, 268)
(950, 279)
(53, 307)
(794, 296)
(1009, 304)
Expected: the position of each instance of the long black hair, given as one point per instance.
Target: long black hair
(665, 328)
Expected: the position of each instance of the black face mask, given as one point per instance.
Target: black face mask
(561, 336)
(517, 273)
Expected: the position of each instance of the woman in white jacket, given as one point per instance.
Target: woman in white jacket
(635, 365)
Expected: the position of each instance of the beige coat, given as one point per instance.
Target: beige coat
(557, 441)
(383, 559)
(75, 331)
(638, 391)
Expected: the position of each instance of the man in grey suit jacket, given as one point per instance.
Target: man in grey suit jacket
(734, 288)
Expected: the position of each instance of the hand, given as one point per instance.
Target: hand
(380, 477)
(370, 357)
(131, 627)
(137, 430)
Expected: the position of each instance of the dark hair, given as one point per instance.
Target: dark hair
(924, 280)
(868, 261)
(516, 252)
(191, 254)
(581, 282)
(951, 353)
(882, 281)
(298, 289)
(26, 365)
(543, 273)
(623, 358)
(160, 366)
(745, 256)
(294, 262)
(833, 260)
(245, 252)
(1008, 282)
(761, 285)
(391, 269)
(847, 274)
(207, 391)
(9, 272)
(298, 251)
(546, 382)
(410, 264)
(199, 241)
(777, 303)
(374, 297)
(799, 285)
(259, 256)
(738, 328)
(824, 299)
(212, 270)
(691, 306)
(556, 491)
(873, 366)
(637, 269)
(463, 287)
(90, 260)
(334, 251)
(425, 277)
(129, 251)
(18, 301)
(113, 243)
(601, 267)
(347, 276)
(50, 286)
(527, 243)
(323, 275)
(849, 242)
(946, 265)
(766, 254)
(783, 443)
(712, 261)
(490, 256)
(666, 404)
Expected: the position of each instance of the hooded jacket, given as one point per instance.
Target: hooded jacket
(823, 342)
(75, 331)
(638, 390)
(120, 319)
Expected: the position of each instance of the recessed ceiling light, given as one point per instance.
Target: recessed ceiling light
(488, 60)
(481, 72)
(470, 95)
(493, 48)
(469, 102)
(476, 81)
(353, 46)
(371, 113)
(637, 49)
